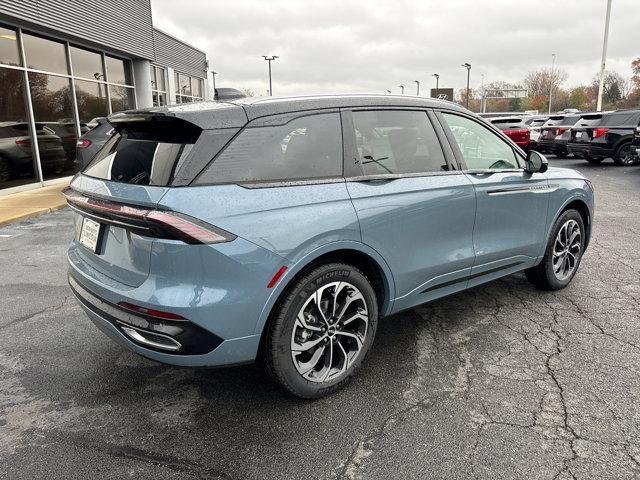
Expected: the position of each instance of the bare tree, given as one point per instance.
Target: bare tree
(539, 81)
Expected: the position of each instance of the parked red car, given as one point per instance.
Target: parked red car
(514, 128)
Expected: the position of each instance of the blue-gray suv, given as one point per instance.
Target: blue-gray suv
(282, 229)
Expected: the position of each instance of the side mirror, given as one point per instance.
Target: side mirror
(536, 162)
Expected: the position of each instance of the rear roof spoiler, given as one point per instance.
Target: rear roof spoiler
(216, 115)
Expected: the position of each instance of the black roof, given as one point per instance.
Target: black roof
(236, 113)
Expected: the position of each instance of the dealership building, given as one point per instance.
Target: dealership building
(64, 63)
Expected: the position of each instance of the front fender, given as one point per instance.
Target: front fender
(302, 262)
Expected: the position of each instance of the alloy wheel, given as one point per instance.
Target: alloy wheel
(329, 332)
(567, 250)
(626, 155)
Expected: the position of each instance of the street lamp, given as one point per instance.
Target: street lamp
(417, 87)
(468, 67)
(389, 91)
(604, 56)
(270, 59)
(401, 89)
(553, 62)
(437, 78)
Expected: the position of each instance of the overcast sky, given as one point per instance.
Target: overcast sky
(371, 46)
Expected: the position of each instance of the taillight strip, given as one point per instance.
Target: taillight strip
(158, 223)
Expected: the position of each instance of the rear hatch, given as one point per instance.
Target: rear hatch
(514, 128)
(587, 128)
(556, 126)
(117, 194)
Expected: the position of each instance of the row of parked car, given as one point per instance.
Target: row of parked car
(593, 136)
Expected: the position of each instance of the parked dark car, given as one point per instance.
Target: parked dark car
(635, 145)
(92, 141)
(602, 135)
(66, 131)
(554, 134)
(515, 128)
(16, 154)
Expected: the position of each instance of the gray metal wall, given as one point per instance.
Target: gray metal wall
(171, 52)
(122, 25)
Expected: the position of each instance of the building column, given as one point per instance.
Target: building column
(171, 86)
(142, 79)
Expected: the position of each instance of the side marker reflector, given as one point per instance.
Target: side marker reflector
(277, 276)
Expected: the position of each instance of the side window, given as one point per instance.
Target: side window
(304, 148)
(480, 147)
(397, 141)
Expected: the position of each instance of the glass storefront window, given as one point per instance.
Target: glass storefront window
(86, 64)
(53, 113)
(43, 54)
(183, 84)
(121, 98)
(118, 71)
(160, 82)
(196, 84)
(159, 99)
(92, 100)
(17, 163)
(9, 47)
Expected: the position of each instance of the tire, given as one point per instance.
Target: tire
(594, 160)
(561, 153)
(624, 156)
(5, 171)
(544, 275)
(296, 372)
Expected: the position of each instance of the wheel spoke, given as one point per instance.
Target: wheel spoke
(356, 316)
(326, 374)
(303, 347)
(306, 367)
(345, 364)
(352, 335)
(348, 301)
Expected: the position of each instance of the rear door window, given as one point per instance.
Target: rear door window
(621, 119)
(397, 142)
(307, 147)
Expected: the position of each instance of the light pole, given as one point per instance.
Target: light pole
(468, 67)
(417, 87)
(213, 77)
(270, 59)
(553, 62)
(483, 100)
(401, 89)
(604, 56)
(437, 78)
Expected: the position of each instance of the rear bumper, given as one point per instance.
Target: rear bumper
(551, 146)
(223, 352)
(589, 150)
(221, 290)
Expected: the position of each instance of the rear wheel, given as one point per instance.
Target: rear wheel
(563, 254)
(321, 331)
(561, 153)
(624, 156)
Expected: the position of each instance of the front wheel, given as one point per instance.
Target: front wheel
(563, 254)
(594, 160)
(321, 332)
(624, 156)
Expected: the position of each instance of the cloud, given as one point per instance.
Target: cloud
(347, 46)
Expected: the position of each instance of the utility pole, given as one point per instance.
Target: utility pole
(604, 56)
(553, 62)
(437, 78)
(483, 99)
(213, 77)
(468, 67)
(401, 89)
(270, 59)
(417, 87)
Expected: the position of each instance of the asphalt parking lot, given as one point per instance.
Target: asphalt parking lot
(502, 381)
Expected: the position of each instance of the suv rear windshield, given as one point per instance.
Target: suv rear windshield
(562, 120)
(145, 153)
(508, 123)
(592, 120)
